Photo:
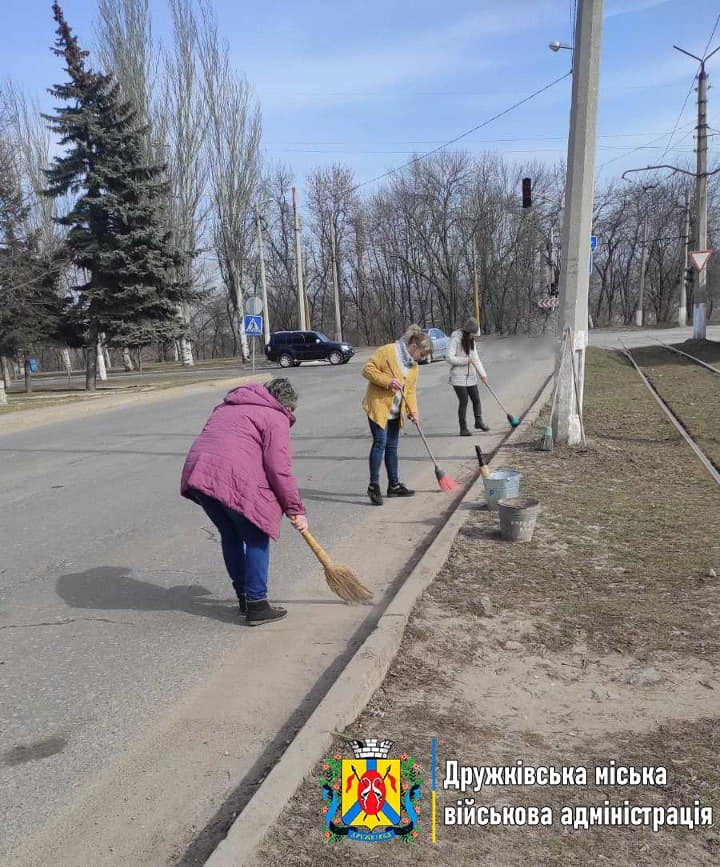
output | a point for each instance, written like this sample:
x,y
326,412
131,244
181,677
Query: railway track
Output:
x,y
673,409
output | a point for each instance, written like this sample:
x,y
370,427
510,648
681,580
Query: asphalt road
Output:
x,y
132,699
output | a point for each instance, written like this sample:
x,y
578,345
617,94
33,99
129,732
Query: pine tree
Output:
x,y
115,232
31,310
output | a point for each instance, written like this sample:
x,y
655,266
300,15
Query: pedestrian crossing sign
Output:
x,y
253,324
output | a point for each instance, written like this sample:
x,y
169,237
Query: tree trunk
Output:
x,y
3,395
174,351
127,360
100,364
139,360
186,352
6,372
28,376
91,357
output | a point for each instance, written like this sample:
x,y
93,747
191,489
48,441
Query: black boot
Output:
x,y
480,425
464,432
260,611
375,495
242,603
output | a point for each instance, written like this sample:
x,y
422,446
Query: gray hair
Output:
x,y
281,389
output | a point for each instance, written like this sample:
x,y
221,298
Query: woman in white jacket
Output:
x,y
465,368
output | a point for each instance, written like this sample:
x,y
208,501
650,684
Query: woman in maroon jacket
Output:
x,y
239,471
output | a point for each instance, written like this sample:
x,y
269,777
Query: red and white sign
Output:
x,y
699,258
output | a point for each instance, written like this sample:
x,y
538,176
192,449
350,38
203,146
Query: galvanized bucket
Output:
x,y
517,518
501,484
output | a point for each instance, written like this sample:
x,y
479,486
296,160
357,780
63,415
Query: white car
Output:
x,y
440,344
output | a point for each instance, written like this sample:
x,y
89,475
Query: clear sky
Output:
x,y
369,83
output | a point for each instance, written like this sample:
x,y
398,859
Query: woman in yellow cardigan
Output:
x,y
392,371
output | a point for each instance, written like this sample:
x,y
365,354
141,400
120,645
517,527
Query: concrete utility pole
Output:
x,y
302,322
701,204
336,283
476,288
643,269
263,284
682,309
577,222
701,176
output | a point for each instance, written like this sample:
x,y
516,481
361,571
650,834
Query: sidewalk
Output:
x,y
597,641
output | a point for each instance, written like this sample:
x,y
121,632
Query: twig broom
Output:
x,y
342,581
445,482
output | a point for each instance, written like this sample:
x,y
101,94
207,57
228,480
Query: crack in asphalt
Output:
x,y
65,622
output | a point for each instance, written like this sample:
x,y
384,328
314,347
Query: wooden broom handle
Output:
x,y
317,549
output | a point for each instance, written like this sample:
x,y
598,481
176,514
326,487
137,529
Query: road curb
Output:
x,y
33,417
355,685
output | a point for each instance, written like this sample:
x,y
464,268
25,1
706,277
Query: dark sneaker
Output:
x,y
375,495
242,604
262,612
480,425
464,432
399,490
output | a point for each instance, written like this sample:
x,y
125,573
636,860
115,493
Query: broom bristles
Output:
x,y
345,583
445,482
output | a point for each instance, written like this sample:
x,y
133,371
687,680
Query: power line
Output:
x,y
690,90
464,134
636,149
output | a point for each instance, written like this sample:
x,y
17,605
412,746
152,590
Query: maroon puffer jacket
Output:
x,y
242,459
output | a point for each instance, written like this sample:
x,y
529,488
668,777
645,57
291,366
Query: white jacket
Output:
x,y
464,369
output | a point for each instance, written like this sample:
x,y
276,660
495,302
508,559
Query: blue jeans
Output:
x,y
385,444
246,549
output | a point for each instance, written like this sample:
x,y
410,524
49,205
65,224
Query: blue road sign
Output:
x,y
253,324
593,242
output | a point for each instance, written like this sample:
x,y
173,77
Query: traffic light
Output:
x,y
689,276
526,193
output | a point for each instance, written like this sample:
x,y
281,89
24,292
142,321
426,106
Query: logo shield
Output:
x,y
370,793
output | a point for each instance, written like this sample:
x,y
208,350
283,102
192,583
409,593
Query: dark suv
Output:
x,y
293,347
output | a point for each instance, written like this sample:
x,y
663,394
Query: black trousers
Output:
x,y
465,393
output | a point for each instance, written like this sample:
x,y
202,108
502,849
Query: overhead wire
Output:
x,y
463,135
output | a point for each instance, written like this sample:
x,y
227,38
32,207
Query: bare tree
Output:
x,y
186,136
233,159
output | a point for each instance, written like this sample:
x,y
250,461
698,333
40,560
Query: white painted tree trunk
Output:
x,y
127,359
3,396
186,352
67,362
244,348
101,371
7,372
175,351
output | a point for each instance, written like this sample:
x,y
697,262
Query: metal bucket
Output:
x,y
517,518
501,484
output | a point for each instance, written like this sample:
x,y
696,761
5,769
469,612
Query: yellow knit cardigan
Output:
x,y
378,400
